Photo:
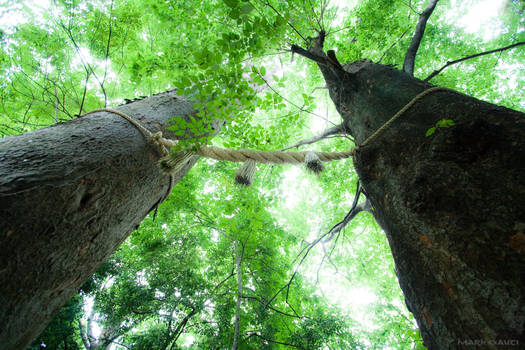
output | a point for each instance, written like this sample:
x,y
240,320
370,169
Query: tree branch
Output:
x,y
270,307
287,22
107,56
181,326
356,209
311,56
449,63
301,109
393,44
410,57
338,129
331,233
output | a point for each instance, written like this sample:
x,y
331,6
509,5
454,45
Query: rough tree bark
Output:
x,y
69,195
451,204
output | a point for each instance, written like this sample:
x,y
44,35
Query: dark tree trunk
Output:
x,y
452,204
69,195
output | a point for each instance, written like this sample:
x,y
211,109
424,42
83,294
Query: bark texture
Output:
x,y
69,195
452,204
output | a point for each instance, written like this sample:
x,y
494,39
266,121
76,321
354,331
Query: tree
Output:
x,y
176,279
89,166
448,200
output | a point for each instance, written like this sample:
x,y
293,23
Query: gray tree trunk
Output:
x,y
69,195
452,204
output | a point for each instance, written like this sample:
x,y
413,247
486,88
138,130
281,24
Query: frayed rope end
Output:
x,y
244,175
313,163
175,161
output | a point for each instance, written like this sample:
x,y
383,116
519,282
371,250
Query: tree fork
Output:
x,y
451,204
69,195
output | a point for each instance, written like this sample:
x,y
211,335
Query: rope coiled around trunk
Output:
x,y
176,160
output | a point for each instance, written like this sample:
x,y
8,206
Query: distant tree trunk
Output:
x,y
239,252
69,195
452,204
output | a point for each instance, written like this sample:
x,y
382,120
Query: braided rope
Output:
x,y
157,138
275,157
135,123
163,143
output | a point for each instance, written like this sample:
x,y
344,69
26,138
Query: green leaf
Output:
x,y
430,131
247,8
445,123
232,3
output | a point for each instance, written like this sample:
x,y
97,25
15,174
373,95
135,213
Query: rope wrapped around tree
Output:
x,y
171,162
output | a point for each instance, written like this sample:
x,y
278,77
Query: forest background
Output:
x,y
174,282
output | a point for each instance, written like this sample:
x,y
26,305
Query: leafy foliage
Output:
x,y
173,283
63,331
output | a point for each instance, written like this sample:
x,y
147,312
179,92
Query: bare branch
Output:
x,y
410,57
106,59
269,307
338,129
331,233
366,206
318,59
84,93
449,63
356,209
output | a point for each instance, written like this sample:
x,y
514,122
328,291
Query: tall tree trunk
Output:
x,y
452,204
239,252
69,195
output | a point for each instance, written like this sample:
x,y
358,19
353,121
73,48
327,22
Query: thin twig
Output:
x,y
393,44
332,232
301,109
87,65
84,92
338,129
239,253
269,307
449,63
291,25
107,56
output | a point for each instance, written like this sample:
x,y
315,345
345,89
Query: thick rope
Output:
x,y
275,157
157,138
163,143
